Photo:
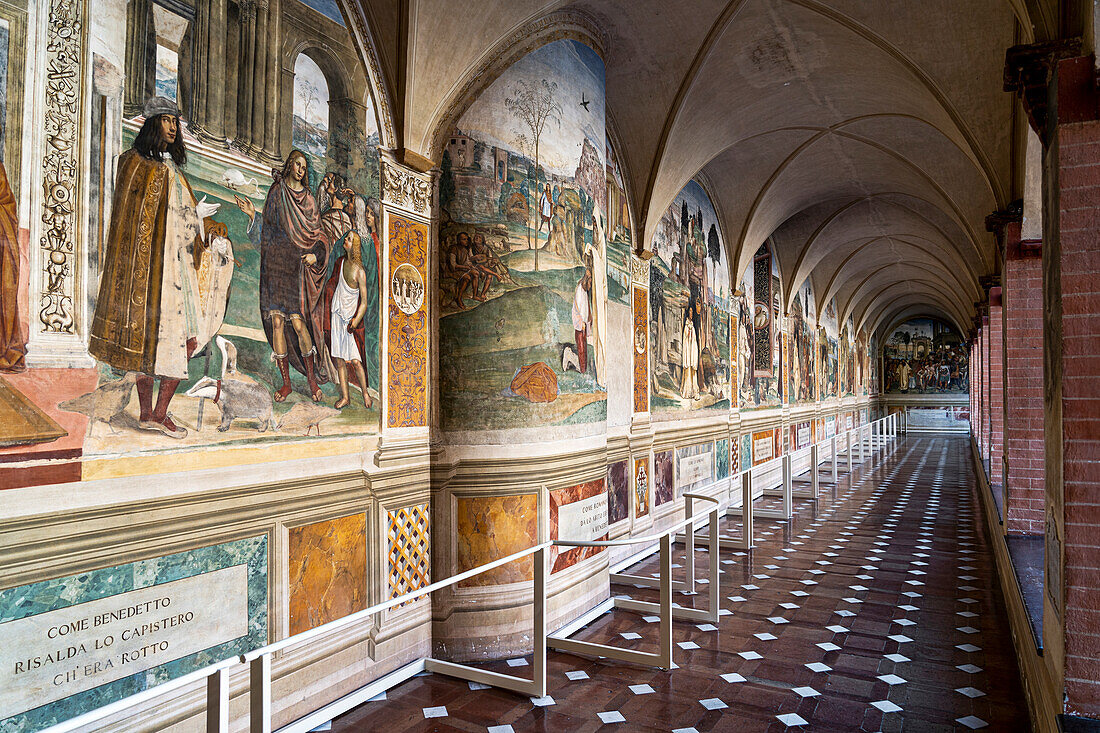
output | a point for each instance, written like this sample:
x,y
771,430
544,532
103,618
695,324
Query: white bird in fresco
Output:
x,y
234,179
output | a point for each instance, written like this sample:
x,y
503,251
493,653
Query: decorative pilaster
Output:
x,y
406,213
58,303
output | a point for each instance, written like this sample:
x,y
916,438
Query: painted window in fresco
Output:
x,y
925,356
523,256
265,324
618,230
758,307
689,292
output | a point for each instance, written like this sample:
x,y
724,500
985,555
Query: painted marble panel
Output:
x,y
588,495
491,527
746,452
24,602
694,467
618,491
689,294
409,540
664,479
722,458
523,248
763,446
641,350
642,486
328,571
407,342
925,356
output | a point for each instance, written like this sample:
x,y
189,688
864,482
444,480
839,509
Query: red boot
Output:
x,y
311,378
284,372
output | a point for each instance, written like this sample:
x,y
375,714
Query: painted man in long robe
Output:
x,y
293,269
147,313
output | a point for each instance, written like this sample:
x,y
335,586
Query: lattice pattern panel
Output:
x,y
409,558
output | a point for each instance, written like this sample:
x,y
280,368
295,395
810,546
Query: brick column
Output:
x,y
983,338
1071,294
996,387
1022,311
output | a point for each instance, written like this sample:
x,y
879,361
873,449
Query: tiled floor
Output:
x,y
877,609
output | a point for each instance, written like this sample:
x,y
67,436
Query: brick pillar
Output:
x,y
1022,311
996,388
983,337
1071,293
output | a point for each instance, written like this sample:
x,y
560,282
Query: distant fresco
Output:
x,y
828,350
689,293
847,360
233,259
925,356
618,229
759,356
523,272
801,384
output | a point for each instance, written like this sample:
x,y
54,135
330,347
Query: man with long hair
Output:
x,y
293,268
147,314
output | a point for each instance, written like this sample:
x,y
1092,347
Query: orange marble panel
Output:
x,y
407,334
491,527
560,560
328,571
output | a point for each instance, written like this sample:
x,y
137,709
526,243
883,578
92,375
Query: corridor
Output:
x,y
876,609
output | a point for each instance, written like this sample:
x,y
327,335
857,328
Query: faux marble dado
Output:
x,y
491,527
409,537
642,486
586,498
618,491
328,571
124,581
663,477
721,459
694,467
876,608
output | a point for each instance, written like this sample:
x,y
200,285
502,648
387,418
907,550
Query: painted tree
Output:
x,y
535,106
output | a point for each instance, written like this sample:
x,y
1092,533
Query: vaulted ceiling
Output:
x,y
866,140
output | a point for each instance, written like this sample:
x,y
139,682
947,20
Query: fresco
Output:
x,y
828,343
925,356
689,300
618,229
523,256
759,356
618,491
215,274
801,387
849,376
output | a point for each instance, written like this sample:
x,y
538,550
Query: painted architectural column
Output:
x,y
206,106
269,143
141,56
247,63
58,76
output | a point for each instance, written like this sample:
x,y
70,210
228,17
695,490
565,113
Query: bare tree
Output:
x,y
309,94
534,105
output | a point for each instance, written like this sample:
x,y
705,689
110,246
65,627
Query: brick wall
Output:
x,y
1071,265
996,388
1022,312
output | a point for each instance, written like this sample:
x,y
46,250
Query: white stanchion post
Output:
x,y
217,702
539,616
788,486
259,698
664,631
848,448
832,453
815,482
689,543
746,508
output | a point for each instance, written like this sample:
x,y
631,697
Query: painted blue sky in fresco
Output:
x,y
328,8
578,71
